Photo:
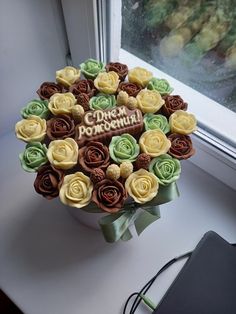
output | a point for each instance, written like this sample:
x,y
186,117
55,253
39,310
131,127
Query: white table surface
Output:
x,y
51,264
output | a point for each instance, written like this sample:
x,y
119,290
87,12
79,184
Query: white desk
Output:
x,y
51,264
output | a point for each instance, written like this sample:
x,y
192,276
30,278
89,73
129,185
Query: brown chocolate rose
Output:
x,y
109,195
60,127
181,146
119,68
48,181
47,89
94,155
173,103
83,100
130,88
83,86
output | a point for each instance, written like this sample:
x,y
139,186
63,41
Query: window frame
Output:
x,y
81,23
101,21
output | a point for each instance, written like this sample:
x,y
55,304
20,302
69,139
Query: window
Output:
x,y
193,41
145,33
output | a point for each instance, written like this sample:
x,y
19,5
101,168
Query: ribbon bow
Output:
x,y
116,226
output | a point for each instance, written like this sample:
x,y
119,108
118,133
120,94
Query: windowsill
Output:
x,y
47,257
219,162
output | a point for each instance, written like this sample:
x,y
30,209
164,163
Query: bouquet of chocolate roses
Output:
x,y
110,142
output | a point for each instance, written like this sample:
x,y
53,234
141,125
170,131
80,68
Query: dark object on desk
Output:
x,y
6,305
207,282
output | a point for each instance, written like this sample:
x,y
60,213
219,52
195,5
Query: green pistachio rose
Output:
x,y
34,156
37,108
123,148
166,168
160,85
102,101
90,68
156,121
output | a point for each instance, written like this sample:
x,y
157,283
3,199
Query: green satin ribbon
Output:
x,y
116,226
165,194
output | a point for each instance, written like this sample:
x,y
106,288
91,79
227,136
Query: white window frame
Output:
x,y
82,29
100,22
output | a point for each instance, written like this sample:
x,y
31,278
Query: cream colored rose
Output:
x,y
149,101
63,154
154,143
142,186
32,129
107,82
76,190
67,76
139,76
61,103
182,122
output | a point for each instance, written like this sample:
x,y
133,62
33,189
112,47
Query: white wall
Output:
x,y
32,47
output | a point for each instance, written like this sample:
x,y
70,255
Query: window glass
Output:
x,y
191,40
